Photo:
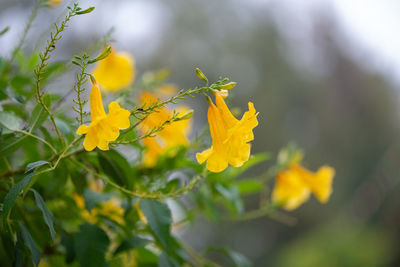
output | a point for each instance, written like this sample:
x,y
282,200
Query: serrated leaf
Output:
x,y
34,165
131,243
91,244
12,195
159,219
30,244
10,121
47,215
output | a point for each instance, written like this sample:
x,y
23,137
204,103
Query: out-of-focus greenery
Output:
x,y
347,116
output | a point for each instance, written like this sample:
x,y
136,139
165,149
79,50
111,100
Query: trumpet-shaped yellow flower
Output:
x,y
230,136
116,71
295,184
172,135
104,128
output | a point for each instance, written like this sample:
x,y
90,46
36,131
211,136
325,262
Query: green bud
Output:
x,y
106,52
187,115
227,86
3,31
90,9
92,79
201,75
76,63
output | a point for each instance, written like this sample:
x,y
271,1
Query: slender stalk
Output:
x,y
38,138
44,58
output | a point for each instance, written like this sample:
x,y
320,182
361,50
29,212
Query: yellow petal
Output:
x,y
203,156
322,186
118,117
96,104
82,129
229,120
91,141
103,144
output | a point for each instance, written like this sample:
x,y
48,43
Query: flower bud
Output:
x,y
106,52
201,75
227,86
187,115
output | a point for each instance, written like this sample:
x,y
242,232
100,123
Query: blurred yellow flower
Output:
x,y
172,135
295,184
53,3
110,209
230,136
116,71
104,127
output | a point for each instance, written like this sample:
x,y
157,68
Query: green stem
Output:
x,y
158,195
44,57
38,138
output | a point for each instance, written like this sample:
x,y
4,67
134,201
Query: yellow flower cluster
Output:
x,y
295,184
111,209
230,136
172,135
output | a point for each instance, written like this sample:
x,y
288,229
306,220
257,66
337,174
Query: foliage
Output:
x,y
63,205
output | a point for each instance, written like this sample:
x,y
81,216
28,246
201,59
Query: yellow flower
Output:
x,y
295,184
104,128
172,135
111,209
53,3
230,136
116,71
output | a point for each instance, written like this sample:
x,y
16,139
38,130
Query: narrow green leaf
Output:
x,y
38,117
3,31
159,219
131,243
9,145
91,243
10,121
249,186
92,198
30,244
165,261
86,11
115,166
12,195
34,165
47,215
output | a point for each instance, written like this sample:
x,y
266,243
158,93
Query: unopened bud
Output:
x,y
187,115
227,86
201,75
105,53
90,9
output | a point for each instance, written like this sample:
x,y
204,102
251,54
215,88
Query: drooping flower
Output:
x,y
172,135
295,184
104,128
116,71
230,136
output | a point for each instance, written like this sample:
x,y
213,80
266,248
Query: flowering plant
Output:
x,y
105,189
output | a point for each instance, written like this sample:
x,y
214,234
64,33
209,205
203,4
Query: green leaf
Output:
x,y
166,261
91,243
30,243
12,195
159,219
238,259
47,215
9,145
3,31
86,11
116,167
131,243
10,121
231,194
249,186
34,165
38,117
92,198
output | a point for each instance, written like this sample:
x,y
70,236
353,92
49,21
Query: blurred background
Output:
x,y
324,74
